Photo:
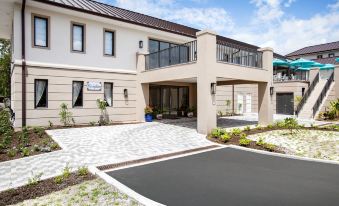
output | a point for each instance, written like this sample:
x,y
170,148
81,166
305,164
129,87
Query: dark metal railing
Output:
x,y
307,94
171,56
323,94
229,53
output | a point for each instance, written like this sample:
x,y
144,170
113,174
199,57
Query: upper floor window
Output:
x,y
331,55
78,37
40,31
108,43
40,93
77,93
320,56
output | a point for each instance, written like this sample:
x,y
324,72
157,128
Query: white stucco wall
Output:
x,y
127,37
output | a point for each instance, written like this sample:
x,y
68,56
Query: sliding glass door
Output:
x,y
171,100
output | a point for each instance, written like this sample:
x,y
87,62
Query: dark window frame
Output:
x,y
83,26
113,42
35,105
82,93
331,55
319,56
111,83
47,19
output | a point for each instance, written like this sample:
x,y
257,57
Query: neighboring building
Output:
x,y
322,88
78,51
322,53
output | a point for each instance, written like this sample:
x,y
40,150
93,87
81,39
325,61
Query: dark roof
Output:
x,y
330,60
112,12
316,48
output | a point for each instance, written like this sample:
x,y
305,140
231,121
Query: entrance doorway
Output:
x,y
171,101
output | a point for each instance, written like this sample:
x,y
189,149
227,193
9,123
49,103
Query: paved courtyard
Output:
x,y
101,145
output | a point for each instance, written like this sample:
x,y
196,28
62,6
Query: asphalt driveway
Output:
x,y
234,177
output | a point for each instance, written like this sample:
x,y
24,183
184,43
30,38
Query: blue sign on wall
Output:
x,y
93,86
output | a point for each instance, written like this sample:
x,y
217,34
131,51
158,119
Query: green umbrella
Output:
x,y
279,62
302,63
337,59
327,66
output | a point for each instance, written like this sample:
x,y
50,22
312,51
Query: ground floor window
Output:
x,y
108,93
40,93
77,93
169,100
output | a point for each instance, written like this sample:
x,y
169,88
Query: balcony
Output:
x,y
176,55
233,54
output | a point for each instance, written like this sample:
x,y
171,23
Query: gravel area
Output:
x,y
92,192
305,143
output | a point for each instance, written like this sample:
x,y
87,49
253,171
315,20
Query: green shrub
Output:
x,y
269,147
5,122
40,131
58,179
244,142
247,128
12,152
83,171
243,136
24,137
225,137
260,142
258,127
217,132
270,126
66,172
54,146
25,152
7,139
65,115
35,179
291,124
50,124
236,131
92,123
279,124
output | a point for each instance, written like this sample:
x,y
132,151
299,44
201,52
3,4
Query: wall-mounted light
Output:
x,y
141,44
271,90
213,88
125,93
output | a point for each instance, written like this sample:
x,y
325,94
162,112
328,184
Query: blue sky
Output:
x,y
285,25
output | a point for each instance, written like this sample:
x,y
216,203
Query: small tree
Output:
x,y
102,104
65,115
291,124
334,107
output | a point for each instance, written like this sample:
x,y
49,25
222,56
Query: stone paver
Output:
x,y
103,145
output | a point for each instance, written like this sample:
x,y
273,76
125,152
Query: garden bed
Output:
x,y
37,142
41,188
285,137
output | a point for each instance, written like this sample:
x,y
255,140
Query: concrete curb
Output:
x,y
124,189
283,155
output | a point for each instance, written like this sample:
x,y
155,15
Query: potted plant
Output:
x,y
157,113
148,114
190,112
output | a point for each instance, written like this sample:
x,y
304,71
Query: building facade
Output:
x,y
77,52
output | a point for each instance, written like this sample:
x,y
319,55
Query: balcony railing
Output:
x,y
322,94
307,94
233,54
171,56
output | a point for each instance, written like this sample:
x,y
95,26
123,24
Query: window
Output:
x,y
40,31
108,93
78,37
40,93
108,43
77,93
320,56
331,55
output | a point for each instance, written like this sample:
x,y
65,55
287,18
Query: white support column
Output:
x,y
142,90
206,103
265,108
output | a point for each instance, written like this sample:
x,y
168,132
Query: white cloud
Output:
x,y
216,19
293,33
334,6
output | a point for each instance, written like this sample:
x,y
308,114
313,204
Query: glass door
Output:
x,y
174,101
